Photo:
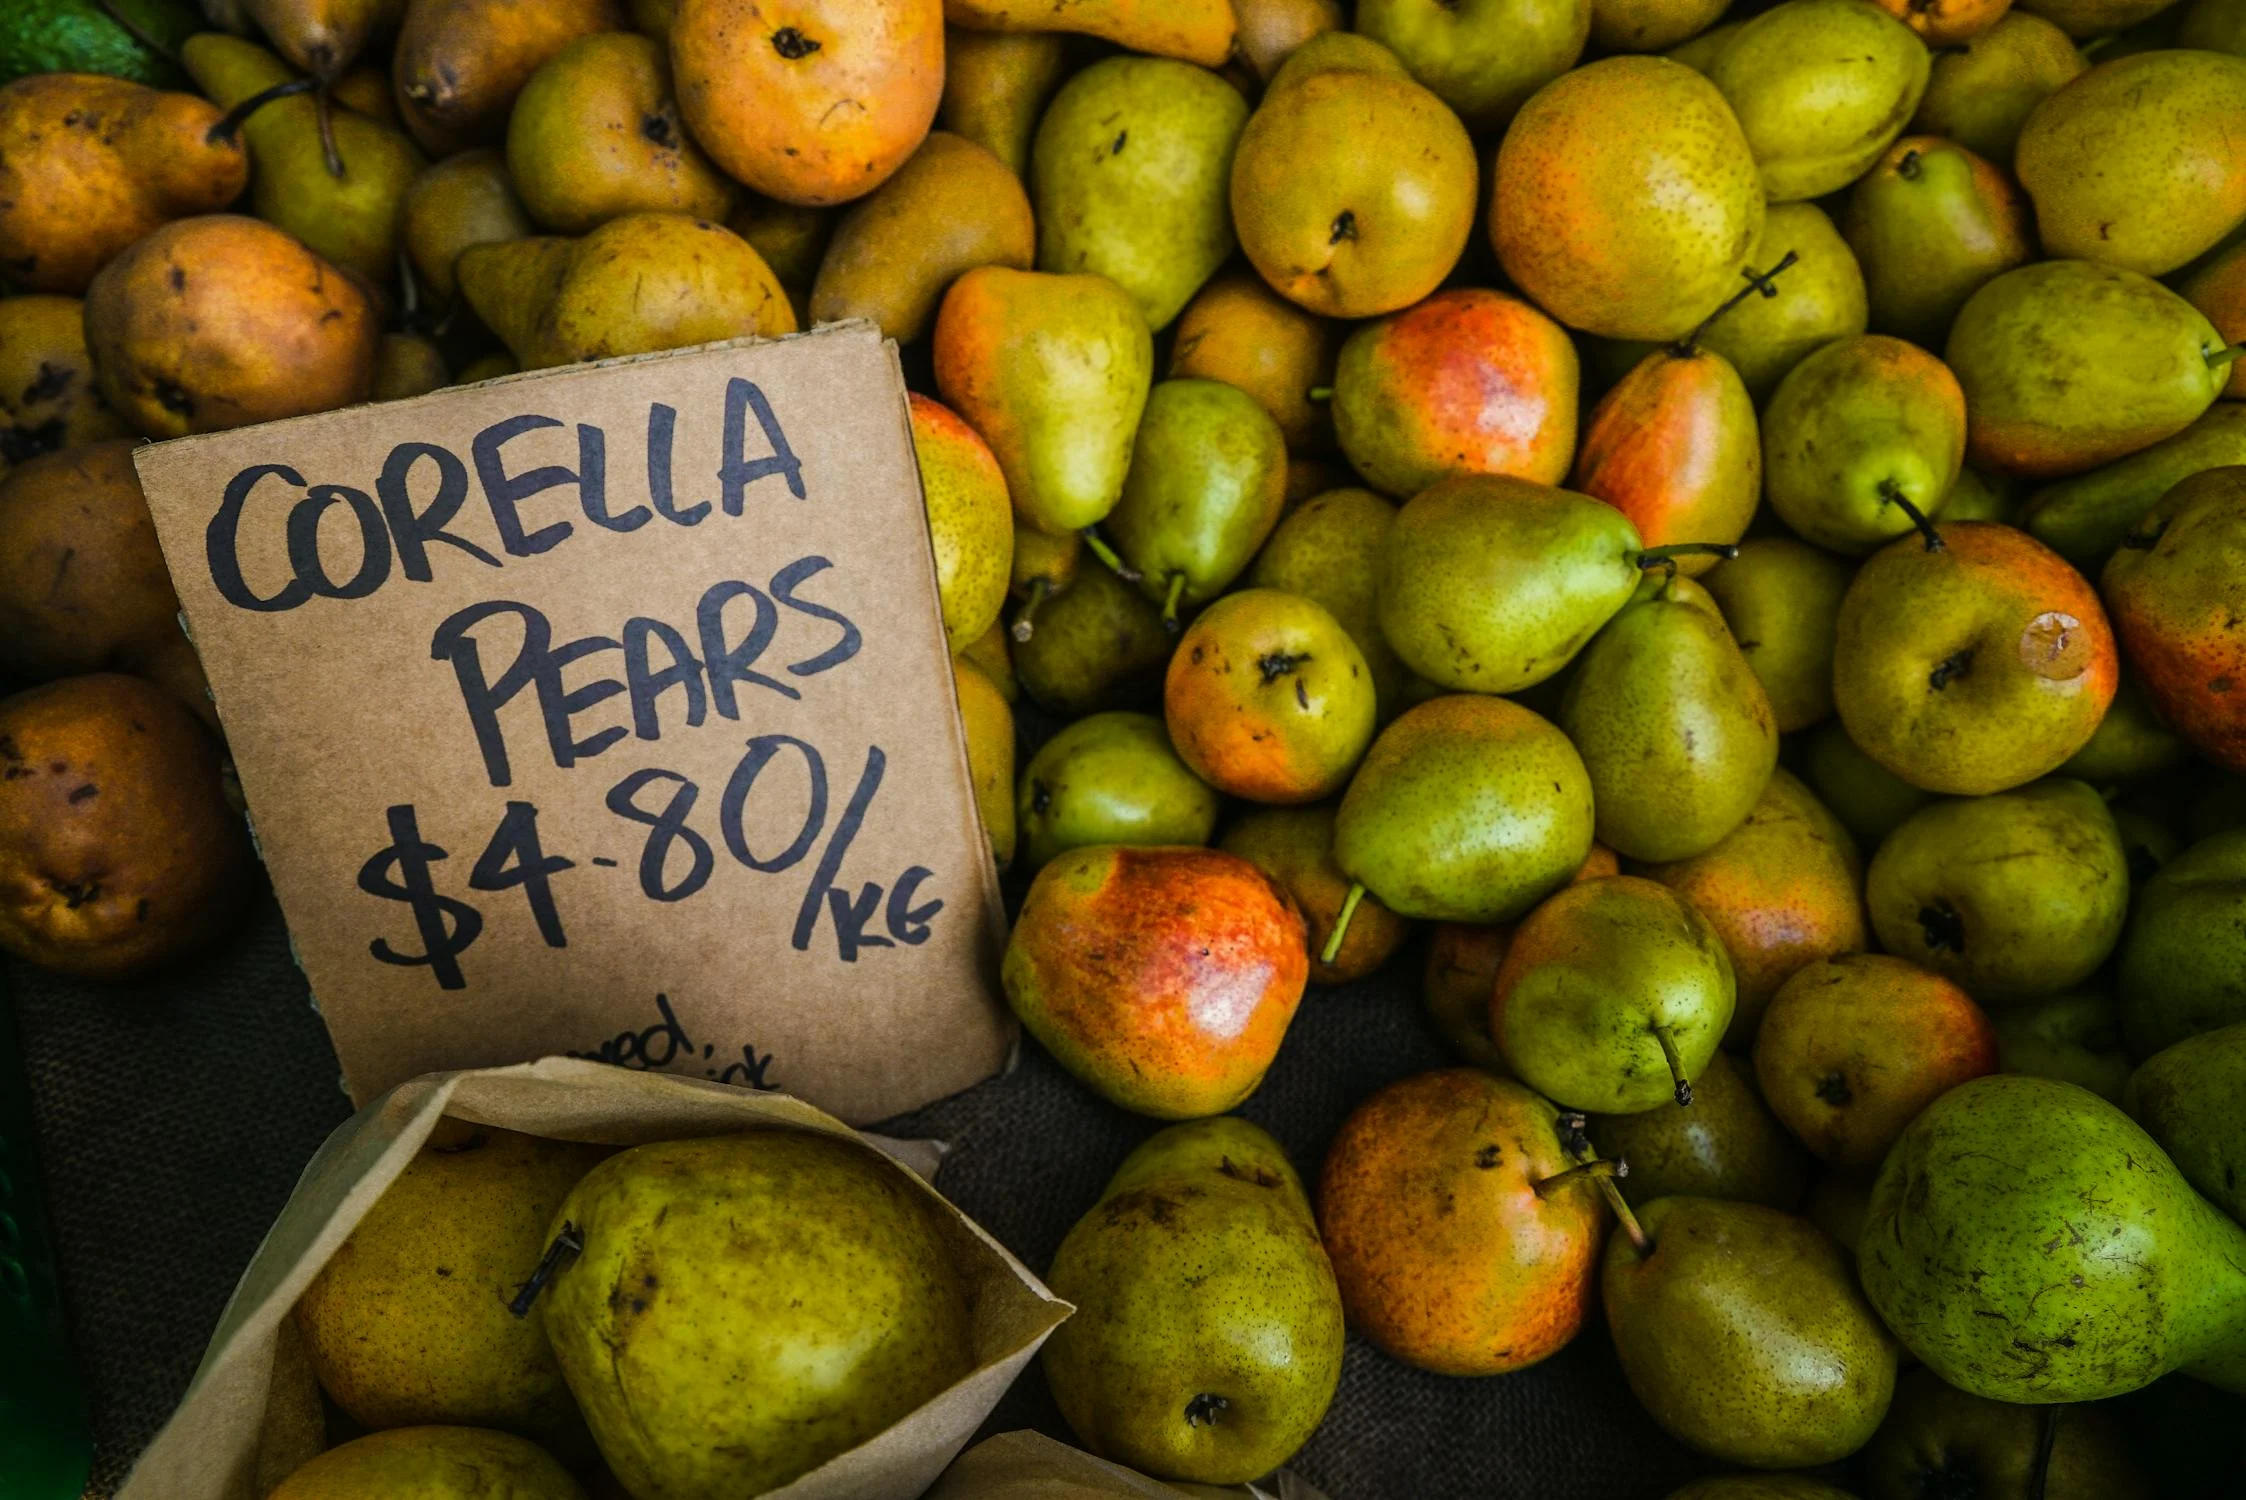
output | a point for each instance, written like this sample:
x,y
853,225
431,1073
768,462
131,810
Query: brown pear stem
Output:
x,y
1582,1171
1757,281
1097,545
1320,393
1340,934
1892,493
231,124
1657,557
2223,357
1025,623
1640,1241
2046,1438
327,133
567,1246
1675,1060
1170,604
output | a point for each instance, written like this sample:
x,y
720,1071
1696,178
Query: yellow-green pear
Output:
x,y
1481,57
432,1463
461,201
1780,597
1982,90
1821,87
970,523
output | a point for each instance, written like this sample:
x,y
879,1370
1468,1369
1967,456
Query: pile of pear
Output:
x,y
1719,528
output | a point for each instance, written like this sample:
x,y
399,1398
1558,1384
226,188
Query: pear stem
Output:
x,y
567,1246
327,133
1334,939
1640,1241
2046,1438
1170,603
1025,623
1656,557
1319,393
2223,357
1582,1171
1892,493
133,29
231,124
1097,545
1757,281
1669,1053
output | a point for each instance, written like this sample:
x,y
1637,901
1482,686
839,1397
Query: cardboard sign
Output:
x,y
606,712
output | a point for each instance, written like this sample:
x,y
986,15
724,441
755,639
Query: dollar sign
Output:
x,y
447,926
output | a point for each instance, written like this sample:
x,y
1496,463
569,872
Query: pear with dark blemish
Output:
x,y
1207,1338
48,399
1207,481
2029,1242
1109,778
742,1308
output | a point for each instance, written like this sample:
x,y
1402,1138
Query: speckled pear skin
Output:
x,y
432,1463
1743,1333
748,1306
1821,88
2029,1242
1207,1339
1674,728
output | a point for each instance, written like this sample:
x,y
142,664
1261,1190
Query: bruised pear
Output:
x,y
48,399
595,135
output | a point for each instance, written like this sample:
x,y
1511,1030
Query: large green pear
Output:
x,y
1821,87
1741,1330
1490,584
1207,1339
1110,778
1481,57
2137,163
2012,896
745,1307
1466,809
1131,175
2188,1097
2083,519
1207,482
1674,728
1862,439
1613,996
2183,960
2067,365
2029,1242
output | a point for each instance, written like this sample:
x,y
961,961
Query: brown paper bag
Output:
x,y
1032,1466
209,1450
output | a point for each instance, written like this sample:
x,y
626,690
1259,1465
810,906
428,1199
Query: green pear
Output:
x,y
1490,584
1207,1339
2187,1097
1983,89
1727,1144
2030,1243
2067,365
1870,800
2011,896
1940,1441
2083,519
1780,598
1613,996
1674,729
2131,743
1110,778
1821,87
2136,162
2183,960
745,1307
1098,645
2073,1036
1465,809
431,1463
1481,57
351,215
1862,440
1131,176
1053,372
596,133
1978,497
1327,549
407,1323
1207,481
1930,225
1741,1330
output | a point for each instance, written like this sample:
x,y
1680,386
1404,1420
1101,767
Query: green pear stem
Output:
x,y
1025,623
1757,281
1320,393
1097,545
133,29
231,124
1170,603
1582,1171
2046,1438
1640,1241
1892,493
567,1246
327,133
1669,1053
1657,557
1334,939
2223,357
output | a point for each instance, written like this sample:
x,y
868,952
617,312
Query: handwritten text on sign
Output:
x,y
661,633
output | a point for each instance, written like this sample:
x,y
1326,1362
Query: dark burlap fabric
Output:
x,y
174,1122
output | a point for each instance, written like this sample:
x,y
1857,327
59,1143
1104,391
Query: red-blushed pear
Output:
x,y
1971,658
1267,698
2178,600
1163,978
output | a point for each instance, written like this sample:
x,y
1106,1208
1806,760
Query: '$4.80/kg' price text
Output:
x,y
514,859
